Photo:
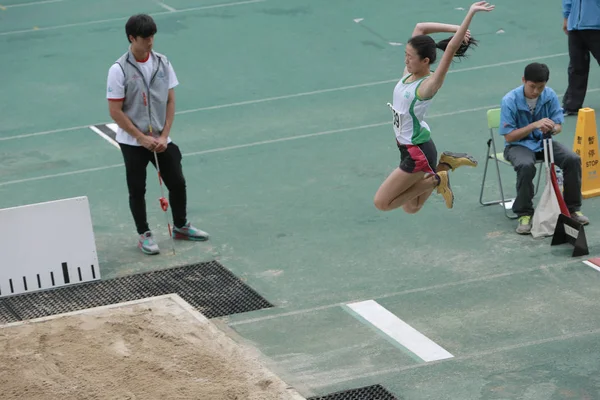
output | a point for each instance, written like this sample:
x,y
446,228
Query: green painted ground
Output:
x,y
285,185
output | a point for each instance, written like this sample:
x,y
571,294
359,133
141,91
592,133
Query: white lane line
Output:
x,y
73,128
80,171
33,3
253,144
287,96
285,139
395,294
295,95
362,85
166,7
220,149
399,331
101,21
484,353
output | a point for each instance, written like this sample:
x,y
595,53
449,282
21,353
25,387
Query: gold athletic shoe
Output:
x,y
455,160
444,189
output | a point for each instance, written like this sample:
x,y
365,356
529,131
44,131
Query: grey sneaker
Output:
x,y
524,227
189,232
579,217
147,244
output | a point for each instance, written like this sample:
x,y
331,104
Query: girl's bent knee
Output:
x,y
380,204
411,208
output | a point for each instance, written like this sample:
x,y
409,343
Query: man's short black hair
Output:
x,y
537,72
140,25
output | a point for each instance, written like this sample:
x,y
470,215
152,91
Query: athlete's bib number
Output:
x,y
397,119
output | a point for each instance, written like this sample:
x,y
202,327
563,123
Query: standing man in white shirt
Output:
x,y
141,98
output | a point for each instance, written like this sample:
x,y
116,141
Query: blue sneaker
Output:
x,y
189,232
147,244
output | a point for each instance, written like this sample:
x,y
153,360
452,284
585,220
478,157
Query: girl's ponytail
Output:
x,y
462,50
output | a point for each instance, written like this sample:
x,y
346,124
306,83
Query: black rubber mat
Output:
x,y
6,315
209,287
375,392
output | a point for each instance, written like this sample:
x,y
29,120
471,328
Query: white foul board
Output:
x,y
46,245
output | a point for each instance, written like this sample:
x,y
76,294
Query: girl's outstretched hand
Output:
x,y
482,6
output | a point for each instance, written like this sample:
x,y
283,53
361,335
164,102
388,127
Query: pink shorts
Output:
x,y
418,158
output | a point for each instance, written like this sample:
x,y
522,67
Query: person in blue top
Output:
x,y
581,22
527,113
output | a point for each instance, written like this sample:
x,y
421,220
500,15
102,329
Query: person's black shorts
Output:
x,y
418,158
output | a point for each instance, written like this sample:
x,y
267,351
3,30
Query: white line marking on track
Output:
x,y
39,29
73,128
33,3
485,353
361,85
286,139
80,171
295,95
166,7
394,294
399,331
220,149
259,143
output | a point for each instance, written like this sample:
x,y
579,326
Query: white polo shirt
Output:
x,y
115,90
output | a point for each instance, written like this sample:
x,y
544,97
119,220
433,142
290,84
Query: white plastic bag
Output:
x,y
547,211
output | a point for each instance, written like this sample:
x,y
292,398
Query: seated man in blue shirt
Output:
x,y
528,112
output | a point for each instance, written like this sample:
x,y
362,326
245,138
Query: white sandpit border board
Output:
x,y
293,394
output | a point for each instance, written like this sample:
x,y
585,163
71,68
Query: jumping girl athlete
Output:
x,y
410,185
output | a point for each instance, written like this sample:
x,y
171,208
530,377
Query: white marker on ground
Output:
x,y
166,7
105,137
400,331
592,265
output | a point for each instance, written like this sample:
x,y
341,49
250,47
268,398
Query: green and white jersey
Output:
x,y
409,110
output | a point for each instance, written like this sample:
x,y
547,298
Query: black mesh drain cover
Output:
x,y
209,287
6,315
375,392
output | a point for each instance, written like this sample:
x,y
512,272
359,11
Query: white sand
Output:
x,y
153,349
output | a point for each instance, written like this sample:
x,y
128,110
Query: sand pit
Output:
x,y
157,348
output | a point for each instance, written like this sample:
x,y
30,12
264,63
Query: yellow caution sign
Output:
x,y
586,146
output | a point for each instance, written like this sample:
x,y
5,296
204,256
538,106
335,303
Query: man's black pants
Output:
x,y
136,162
581,44
523,161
